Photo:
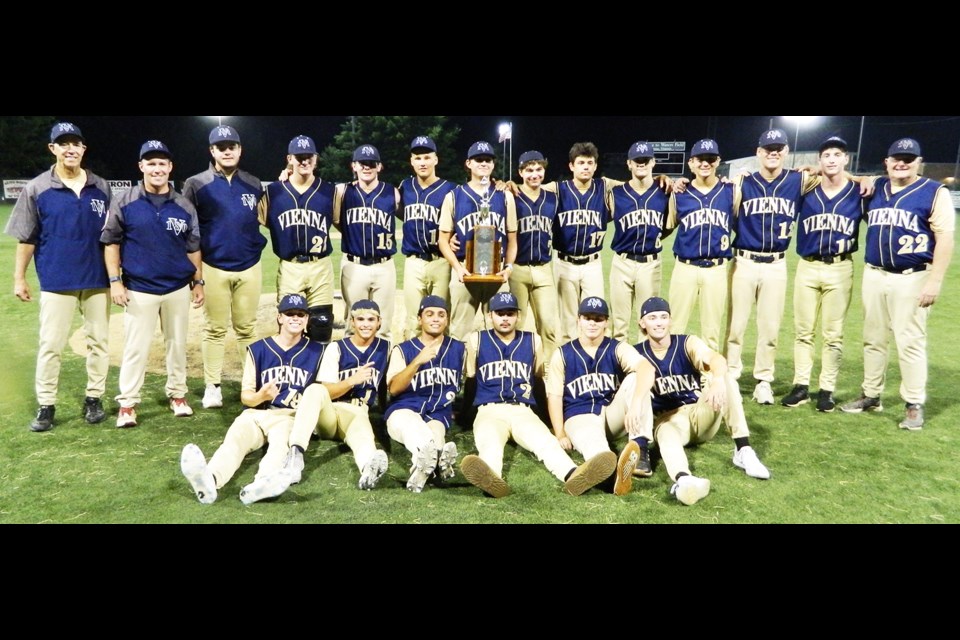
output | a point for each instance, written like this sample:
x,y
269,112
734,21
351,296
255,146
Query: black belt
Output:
x,y
763,258
302,259
367,262
642,259
426,257
902,272
532,264
705,262
578,260
829,259
514,403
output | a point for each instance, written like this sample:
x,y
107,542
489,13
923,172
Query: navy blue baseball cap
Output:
x,y
293,302
433,302
654,305
904,147
641,150
302,145
833,142
366,153
154,148
531,156
423,143
224,134
65,129
504,301
481,148
705,147
594,306
774,138
364,305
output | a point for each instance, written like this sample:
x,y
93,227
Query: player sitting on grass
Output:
x,y
275,374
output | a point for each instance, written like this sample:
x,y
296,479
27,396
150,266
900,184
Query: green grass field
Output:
x,y
826,468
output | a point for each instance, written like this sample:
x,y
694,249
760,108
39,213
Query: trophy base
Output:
x,y
475,279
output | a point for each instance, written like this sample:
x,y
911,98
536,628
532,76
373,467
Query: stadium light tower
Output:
x,y
506,135
800,120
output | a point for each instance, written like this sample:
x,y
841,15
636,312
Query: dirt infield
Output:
x,y
232,365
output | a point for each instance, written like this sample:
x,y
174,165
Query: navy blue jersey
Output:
x,y
466,216
899,235
300,223
353,358
638,219
230,237
421,215
703,223
590,384
292,370
677,380
505,371
768,211
65,231
368,221
830,226
154,240
436,384
582,219
535,221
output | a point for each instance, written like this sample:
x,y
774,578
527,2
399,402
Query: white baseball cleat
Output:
x,y
180,408
213,397
374,470
448,461
690,490
423,466
294,465
194,468
265,488
747,460
763,394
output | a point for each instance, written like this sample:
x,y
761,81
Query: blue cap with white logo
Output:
x,y
594,306
366,153
904,147
705,147
481,148
154,148
224,134
302,145
64,129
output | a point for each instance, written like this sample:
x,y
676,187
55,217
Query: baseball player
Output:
x,y
424,378
365,212
533,281
226,200
584,210
683,413
425,271
640,208
909,245
338,406
770,199
153,233
702,217
57,222
276,372
299,214
467,206
591,388
828,229
506,364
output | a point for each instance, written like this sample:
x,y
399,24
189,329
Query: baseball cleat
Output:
x,y
448,461
93,411
374,470
423,466
625,465
825,401
591,473
480,475
690,490
265,488
194,468
798,396
44,420
213,397
747,460
861,404
913,418
294,465
180,408
763,394
127,418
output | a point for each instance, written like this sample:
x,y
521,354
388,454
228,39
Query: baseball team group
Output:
x,y
574,383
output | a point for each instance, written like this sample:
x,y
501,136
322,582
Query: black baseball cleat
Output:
x,y
825,402
93,411
44,420
800,395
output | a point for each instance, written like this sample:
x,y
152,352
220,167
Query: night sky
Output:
x,y
115,141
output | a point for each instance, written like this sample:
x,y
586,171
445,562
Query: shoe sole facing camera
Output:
x,y
423,467
194,468
626,464
479,474
448,461
373,471
692,491
591,473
